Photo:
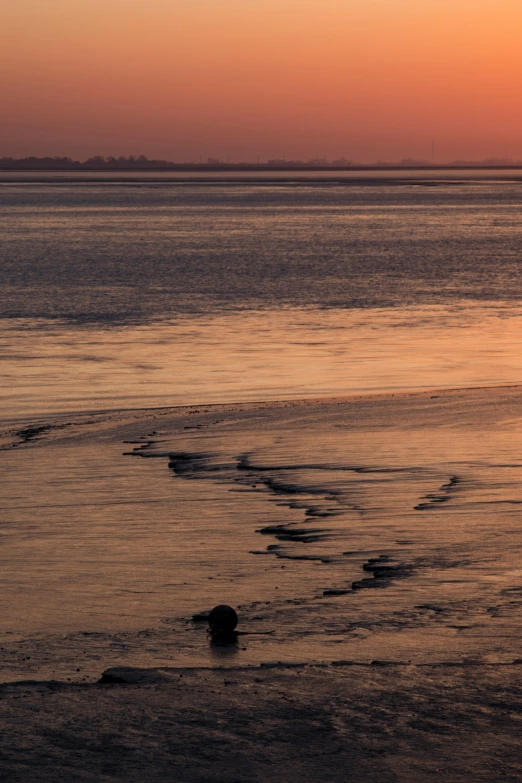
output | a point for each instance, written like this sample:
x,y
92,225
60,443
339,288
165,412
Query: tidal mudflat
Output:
x,y
371,544
363,519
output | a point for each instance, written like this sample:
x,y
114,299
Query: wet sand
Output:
x,y
373,543
392,724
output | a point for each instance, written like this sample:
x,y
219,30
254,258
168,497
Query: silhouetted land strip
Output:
x,y
132,163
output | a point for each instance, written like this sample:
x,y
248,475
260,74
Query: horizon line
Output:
x,y
142,163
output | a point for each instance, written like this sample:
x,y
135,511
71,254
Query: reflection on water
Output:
x,y
226,650
282,354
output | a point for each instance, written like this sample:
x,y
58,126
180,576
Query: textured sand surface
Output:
x,y
392,724
374,543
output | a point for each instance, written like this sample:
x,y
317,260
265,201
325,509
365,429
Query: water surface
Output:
x,y
174,291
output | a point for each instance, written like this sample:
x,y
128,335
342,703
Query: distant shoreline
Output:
x,y
35,164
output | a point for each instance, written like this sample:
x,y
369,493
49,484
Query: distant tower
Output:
x,y
433,152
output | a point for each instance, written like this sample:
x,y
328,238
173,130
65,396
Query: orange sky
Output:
x,y
366,79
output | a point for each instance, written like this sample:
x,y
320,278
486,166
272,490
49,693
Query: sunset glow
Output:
x,y
184,78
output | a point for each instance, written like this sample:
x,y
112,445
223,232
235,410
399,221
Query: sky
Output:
x,y
180,79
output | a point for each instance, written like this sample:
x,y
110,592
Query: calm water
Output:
x,y
163,291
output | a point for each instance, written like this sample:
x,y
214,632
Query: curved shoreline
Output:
x,y
56,419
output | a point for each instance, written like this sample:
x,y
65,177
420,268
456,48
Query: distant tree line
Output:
x,y
142,163
96,163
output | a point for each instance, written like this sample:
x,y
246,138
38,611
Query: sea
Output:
x,y
141,290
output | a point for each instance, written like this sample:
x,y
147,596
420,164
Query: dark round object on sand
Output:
x,y
222,620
